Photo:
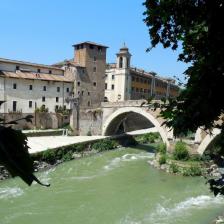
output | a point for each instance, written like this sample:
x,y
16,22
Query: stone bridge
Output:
x,y
125,116
131,115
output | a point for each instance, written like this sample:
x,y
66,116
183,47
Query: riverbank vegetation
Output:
x,y
52,157
179,161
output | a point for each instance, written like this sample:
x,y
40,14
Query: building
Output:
x,y
26,86
124,82
88,69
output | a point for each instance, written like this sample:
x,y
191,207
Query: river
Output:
x,y
115,187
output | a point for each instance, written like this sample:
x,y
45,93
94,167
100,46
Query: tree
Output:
x,y
194,24
14,153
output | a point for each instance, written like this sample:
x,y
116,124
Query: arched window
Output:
x,y
120,62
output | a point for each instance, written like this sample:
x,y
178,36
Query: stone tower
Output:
x,y
91,58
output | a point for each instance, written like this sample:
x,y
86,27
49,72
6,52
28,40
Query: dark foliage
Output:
x,y
196,25
14,153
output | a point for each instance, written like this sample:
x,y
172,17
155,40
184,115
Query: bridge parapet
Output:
x,y
127,103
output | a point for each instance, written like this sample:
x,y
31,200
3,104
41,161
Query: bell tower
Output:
x,y
123,58
123,78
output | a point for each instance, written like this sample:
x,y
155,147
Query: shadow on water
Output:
x,y
127,140
147,148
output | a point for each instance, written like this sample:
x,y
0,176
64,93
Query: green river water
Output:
x,y
117,187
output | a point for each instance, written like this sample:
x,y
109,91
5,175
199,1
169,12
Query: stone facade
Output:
x,y
88,70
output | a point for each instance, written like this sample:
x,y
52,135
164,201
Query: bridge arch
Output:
x,y
122,112
207,141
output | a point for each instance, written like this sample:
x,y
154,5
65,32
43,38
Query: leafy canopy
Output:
x,y
197,25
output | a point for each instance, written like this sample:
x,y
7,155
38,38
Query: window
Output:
x,y
38,70
57,99
64,107
100,49
133,78
17,68
105,85
113,77
112,86
56,108
128,62
91,46
94,84
30,87
120,62
43,98
78,92
50,72
14,86
14,106
137,79
132,89
82,92
78,83
88,103
58,89
44,88
88,93
94,69
81,46
67,90
30,104
94,58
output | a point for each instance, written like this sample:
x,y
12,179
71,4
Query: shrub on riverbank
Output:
x,y
148,138
174,168
162,159
161,148
192,171
181,152
105,144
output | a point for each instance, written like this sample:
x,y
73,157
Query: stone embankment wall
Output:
x,y
40,120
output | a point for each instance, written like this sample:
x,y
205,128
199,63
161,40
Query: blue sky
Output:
x,y
43,31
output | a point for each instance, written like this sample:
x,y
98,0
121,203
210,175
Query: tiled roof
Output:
x,y
28,63
36,76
